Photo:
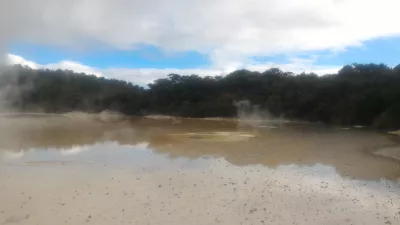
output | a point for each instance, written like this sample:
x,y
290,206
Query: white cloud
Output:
x,y
74,66
229,31
144,76
139,76
15,59
296,65
63,65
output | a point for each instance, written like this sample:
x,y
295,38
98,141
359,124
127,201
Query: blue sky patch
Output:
x,y
143,57
382,50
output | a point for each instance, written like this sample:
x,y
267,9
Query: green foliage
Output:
x,y
57,91
389,118
359,94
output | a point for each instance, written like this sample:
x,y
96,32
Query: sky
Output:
x,y
140,41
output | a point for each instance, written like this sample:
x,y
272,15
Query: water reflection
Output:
x,y
136,172
348,151
109,154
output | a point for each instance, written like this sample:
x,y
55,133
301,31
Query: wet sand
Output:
x,y
63,171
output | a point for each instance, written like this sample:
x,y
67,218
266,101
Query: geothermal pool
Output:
x,y
63,170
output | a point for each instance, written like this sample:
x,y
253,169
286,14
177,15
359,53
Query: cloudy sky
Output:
x,y
139,40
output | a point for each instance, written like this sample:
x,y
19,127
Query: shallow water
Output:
x,y
61,170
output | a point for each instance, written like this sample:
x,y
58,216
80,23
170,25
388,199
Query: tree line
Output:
x,y
359,94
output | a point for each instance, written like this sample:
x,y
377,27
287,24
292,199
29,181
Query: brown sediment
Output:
x,y
348,150
146,171
390,152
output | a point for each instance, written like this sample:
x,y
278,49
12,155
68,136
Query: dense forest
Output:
x,y
359,94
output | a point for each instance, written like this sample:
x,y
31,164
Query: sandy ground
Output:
x,y
162,181
215,193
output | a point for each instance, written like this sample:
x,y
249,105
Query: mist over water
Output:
x,y
252,115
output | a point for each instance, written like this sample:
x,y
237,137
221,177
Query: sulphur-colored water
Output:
x,y
61,170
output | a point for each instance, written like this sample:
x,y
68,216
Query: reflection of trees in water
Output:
x,y
345,150
62,133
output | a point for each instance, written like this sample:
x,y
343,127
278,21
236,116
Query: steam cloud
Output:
x,y
253,115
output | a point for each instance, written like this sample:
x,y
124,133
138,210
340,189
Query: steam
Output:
x,y
255,116
13,90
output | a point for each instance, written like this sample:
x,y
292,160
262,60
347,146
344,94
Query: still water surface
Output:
x,y
58,170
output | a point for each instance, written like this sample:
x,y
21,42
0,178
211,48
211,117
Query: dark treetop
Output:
x,y
359,94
